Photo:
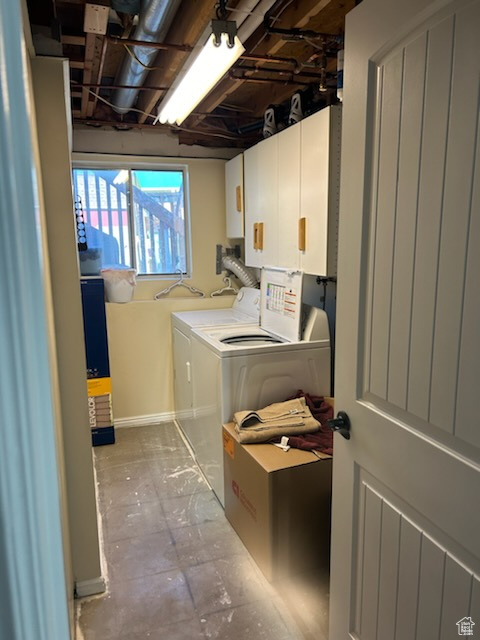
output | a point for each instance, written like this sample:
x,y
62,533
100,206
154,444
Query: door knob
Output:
x,y
341,424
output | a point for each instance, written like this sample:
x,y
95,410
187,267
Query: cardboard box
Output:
x,y
279,504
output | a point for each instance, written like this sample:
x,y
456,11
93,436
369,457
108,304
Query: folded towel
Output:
x,y
292,417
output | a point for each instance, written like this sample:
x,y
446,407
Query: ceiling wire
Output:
x,y
275,18
313,44
244,12
232,107
149,115
206,133
94,93
132,54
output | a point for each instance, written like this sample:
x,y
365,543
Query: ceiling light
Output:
x,y
218,54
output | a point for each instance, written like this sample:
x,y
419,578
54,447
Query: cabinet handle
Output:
x,y
255,235
189,374
238,193
302,234
260,236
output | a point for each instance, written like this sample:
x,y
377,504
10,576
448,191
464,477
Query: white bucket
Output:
x,y
119,284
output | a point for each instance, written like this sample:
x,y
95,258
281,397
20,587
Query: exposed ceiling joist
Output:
x,y
301,62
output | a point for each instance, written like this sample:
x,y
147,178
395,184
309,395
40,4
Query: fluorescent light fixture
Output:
x,y
206,70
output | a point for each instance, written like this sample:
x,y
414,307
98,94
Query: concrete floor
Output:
x,y
175,568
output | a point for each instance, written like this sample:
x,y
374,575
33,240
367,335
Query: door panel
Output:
x,y
410,126
411,587
434,139
433,317
406,533
460,167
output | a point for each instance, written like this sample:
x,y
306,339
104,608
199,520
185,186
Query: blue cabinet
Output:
x,y
98,368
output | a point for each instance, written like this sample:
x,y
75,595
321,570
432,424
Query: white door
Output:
x,y
406,486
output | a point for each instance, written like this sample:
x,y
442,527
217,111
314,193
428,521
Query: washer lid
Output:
x,y
281,302
251,340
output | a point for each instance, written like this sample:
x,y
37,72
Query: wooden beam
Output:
x,y
76,64
74,40
87,70
218,95
101,62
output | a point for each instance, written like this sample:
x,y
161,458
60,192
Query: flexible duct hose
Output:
x,y
238,268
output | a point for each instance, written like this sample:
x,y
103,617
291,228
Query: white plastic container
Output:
x,y
119,284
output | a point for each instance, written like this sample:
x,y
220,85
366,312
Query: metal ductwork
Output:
x,y
154,21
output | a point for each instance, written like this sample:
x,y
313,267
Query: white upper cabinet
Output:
x,y
288,195
291,216
234,195
319,191
261,203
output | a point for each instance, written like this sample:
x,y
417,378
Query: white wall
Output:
x,y
50,80
141,356
151,142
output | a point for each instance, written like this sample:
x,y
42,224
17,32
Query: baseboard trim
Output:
x,y
90,587
145,421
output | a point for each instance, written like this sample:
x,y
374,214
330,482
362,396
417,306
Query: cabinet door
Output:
x,y
314,190
268,163
234,196
261,203
251,177
288,196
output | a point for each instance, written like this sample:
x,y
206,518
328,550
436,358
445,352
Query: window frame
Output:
x,y
139,163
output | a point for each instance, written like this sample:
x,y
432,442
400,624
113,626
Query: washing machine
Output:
x,y
250,366
245,310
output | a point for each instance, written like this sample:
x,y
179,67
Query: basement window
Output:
x,y
133,218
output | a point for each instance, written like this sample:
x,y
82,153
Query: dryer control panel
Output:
x,y
281,302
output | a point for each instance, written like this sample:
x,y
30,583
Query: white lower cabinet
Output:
x,y
297,207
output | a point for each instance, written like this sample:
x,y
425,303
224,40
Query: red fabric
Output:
x,y
321,440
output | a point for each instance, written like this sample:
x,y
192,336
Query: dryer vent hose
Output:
x,y
238,268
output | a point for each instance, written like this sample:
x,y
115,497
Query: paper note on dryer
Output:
x,y
281,302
